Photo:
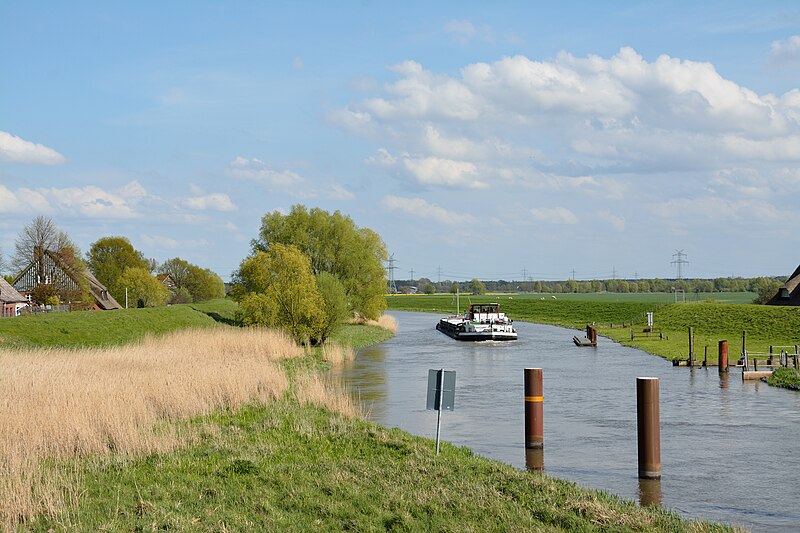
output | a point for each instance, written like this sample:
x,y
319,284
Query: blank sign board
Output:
x,y
444,399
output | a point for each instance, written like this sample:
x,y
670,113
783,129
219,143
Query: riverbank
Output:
x,y
710,321
285,457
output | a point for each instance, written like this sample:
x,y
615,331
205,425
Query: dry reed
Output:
x,y
336,354
312,389
386,322
60,404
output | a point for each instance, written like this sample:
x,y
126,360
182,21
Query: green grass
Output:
x,y
101,328
787,378
284,467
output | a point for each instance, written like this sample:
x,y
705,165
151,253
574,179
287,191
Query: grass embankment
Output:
x,y
225,429
710,321
109,328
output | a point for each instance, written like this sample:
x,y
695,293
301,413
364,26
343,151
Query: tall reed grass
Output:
x,y
64,404
385,321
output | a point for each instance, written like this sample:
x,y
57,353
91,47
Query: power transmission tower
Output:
x,y
391,268
412,275
524,272
573,274
439,274
679,262
613,272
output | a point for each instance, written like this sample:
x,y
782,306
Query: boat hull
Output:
x,y
459,333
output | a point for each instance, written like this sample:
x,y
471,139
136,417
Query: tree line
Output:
x,y
764,286
116,264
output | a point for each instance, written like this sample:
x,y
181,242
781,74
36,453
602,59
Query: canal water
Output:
x,y
730,450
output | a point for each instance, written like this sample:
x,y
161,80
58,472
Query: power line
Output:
x,y
391,268
679,262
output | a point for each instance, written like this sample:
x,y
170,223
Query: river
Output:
x,y
729,449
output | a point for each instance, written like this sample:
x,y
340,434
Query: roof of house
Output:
x,y
9,294
102,298
789,292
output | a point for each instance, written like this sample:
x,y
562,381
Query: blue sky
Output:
x,y
478,139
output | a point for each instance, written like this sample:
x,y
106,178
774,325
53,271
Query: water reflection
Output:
x,y
534,459
590,417
649,492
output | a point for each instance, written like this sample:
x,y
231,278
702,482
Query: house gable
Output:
x,y
48,267
789,292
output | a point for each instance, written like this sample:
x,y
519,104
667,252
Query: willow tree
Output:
x,y
334,244
280,291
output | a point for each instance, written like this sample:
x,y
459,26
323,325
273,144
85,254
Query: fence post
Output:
x,y
648,428
691,347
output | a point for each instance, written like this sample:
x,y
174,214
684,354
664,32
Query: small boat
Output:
x,y
483,322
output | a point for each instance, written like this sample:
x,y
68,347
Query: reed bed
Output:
x,y
312,389
384,321
337,354
59,404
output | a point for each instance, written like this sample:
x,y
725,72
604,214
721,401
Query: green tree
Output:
x,y
766,289
279,290
144,288
109,257
336,245
454,287
335,305
45,294
430,289
201,284
476,286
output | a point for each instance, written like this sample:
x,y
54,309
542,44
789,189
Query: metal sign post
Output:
x,y
441,395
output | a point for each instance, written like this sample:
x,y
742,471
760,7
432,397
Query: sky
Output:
x,y
480,139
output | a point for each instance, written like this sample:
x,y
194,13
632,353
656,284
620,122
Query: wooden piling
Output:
x,y
723,356
648,428
534,408
691,347
705,356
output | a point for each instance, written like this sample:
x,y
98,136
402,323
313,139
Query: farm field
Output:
x,y
711,321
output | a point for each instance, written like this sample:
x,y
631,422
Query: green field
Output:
x,y
711,320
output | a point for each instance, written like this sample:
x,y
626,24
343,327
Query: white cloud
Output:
x,y
787,50
337,192
256,170
419,208
89,201
622,111
554,215
461,31
17,150
214,201
381,158
437,171
297,63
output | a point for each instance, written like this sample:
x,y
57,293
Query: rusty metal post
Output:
x,y
723,356
534,459
594,336
534,408
648,427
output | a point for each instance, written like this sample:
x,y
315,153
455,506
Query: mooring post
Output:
x,y
691,347
705,356
796,354
648,428
769,361
744,347
631,334
723,356
534,408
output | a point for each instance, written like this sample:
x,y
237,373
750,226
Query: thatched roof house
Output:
x,y
50,268
11,301
789,292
